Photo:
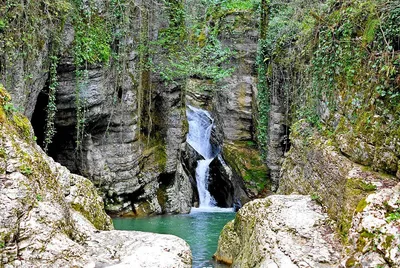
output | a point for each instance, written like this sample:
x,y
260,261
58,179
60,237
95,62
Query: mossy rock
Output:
x,y
92,206
246,161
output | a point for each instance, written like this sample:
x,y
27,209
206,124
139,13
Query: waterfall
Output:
x,y
200,127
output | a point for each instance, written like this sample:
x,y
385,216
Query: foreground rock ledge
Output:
x,y
136,249
52,218
279,231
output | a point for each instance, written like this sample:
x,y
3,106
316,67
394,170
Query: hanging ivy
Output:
x,y
51,109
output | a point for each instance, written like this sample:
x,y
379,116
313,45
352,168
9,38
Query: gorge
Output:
x,y
165,114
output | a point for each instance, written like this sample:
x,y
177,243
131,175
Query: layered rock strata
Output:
x,y
52,218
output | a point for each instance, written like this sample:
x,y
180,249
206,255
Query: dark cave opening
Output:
x,y
63,140
285,139
39,116
62,149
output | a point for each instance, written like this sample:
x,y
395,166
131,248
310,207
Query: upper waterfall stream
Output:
x,y
200,127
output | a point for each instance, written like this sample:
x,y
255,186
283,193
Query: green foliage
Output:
x,y
317,55
233,5
92,39
9,108
21,25
92,44
315,197
26,27
370,31
361,205
26,170
39,197
368,187
192,61
189,52
81,85
394,216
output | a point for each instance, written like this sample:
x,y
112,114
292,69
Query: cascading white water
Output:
x,y
200,126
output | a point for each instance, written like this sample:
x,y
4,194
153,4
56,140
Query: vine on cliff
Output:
x,y
263,95
51,109
92,45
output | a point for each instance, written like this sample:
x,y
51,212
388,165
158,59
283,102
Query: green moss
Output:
x,y
23,124
161,196
202,38
3,153
368,187
388,241
99,222
154,153
351,262
361,205
246,161
394,216
26,170
315,197
366,234
356,190
143,209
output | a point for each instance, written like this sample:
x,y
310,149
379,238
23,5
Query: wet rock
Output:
x,y
179,195
226,186
246,163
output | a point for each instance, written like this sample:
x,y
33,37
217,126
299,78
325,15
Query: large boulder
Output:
x,y
279,231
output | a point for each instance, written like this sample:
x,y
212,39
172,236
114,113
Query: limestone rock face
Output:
x,y
52,218
378,147
234,102
133,123
314,166
279,231
374,235
362,202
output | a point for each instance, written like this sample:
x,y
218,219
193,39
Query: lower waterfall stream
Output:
x,y
200,127
201,228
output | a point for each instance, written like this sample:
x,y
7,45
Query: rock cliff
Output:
x,y
106,85
357,198
53,218
329,85
113,121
